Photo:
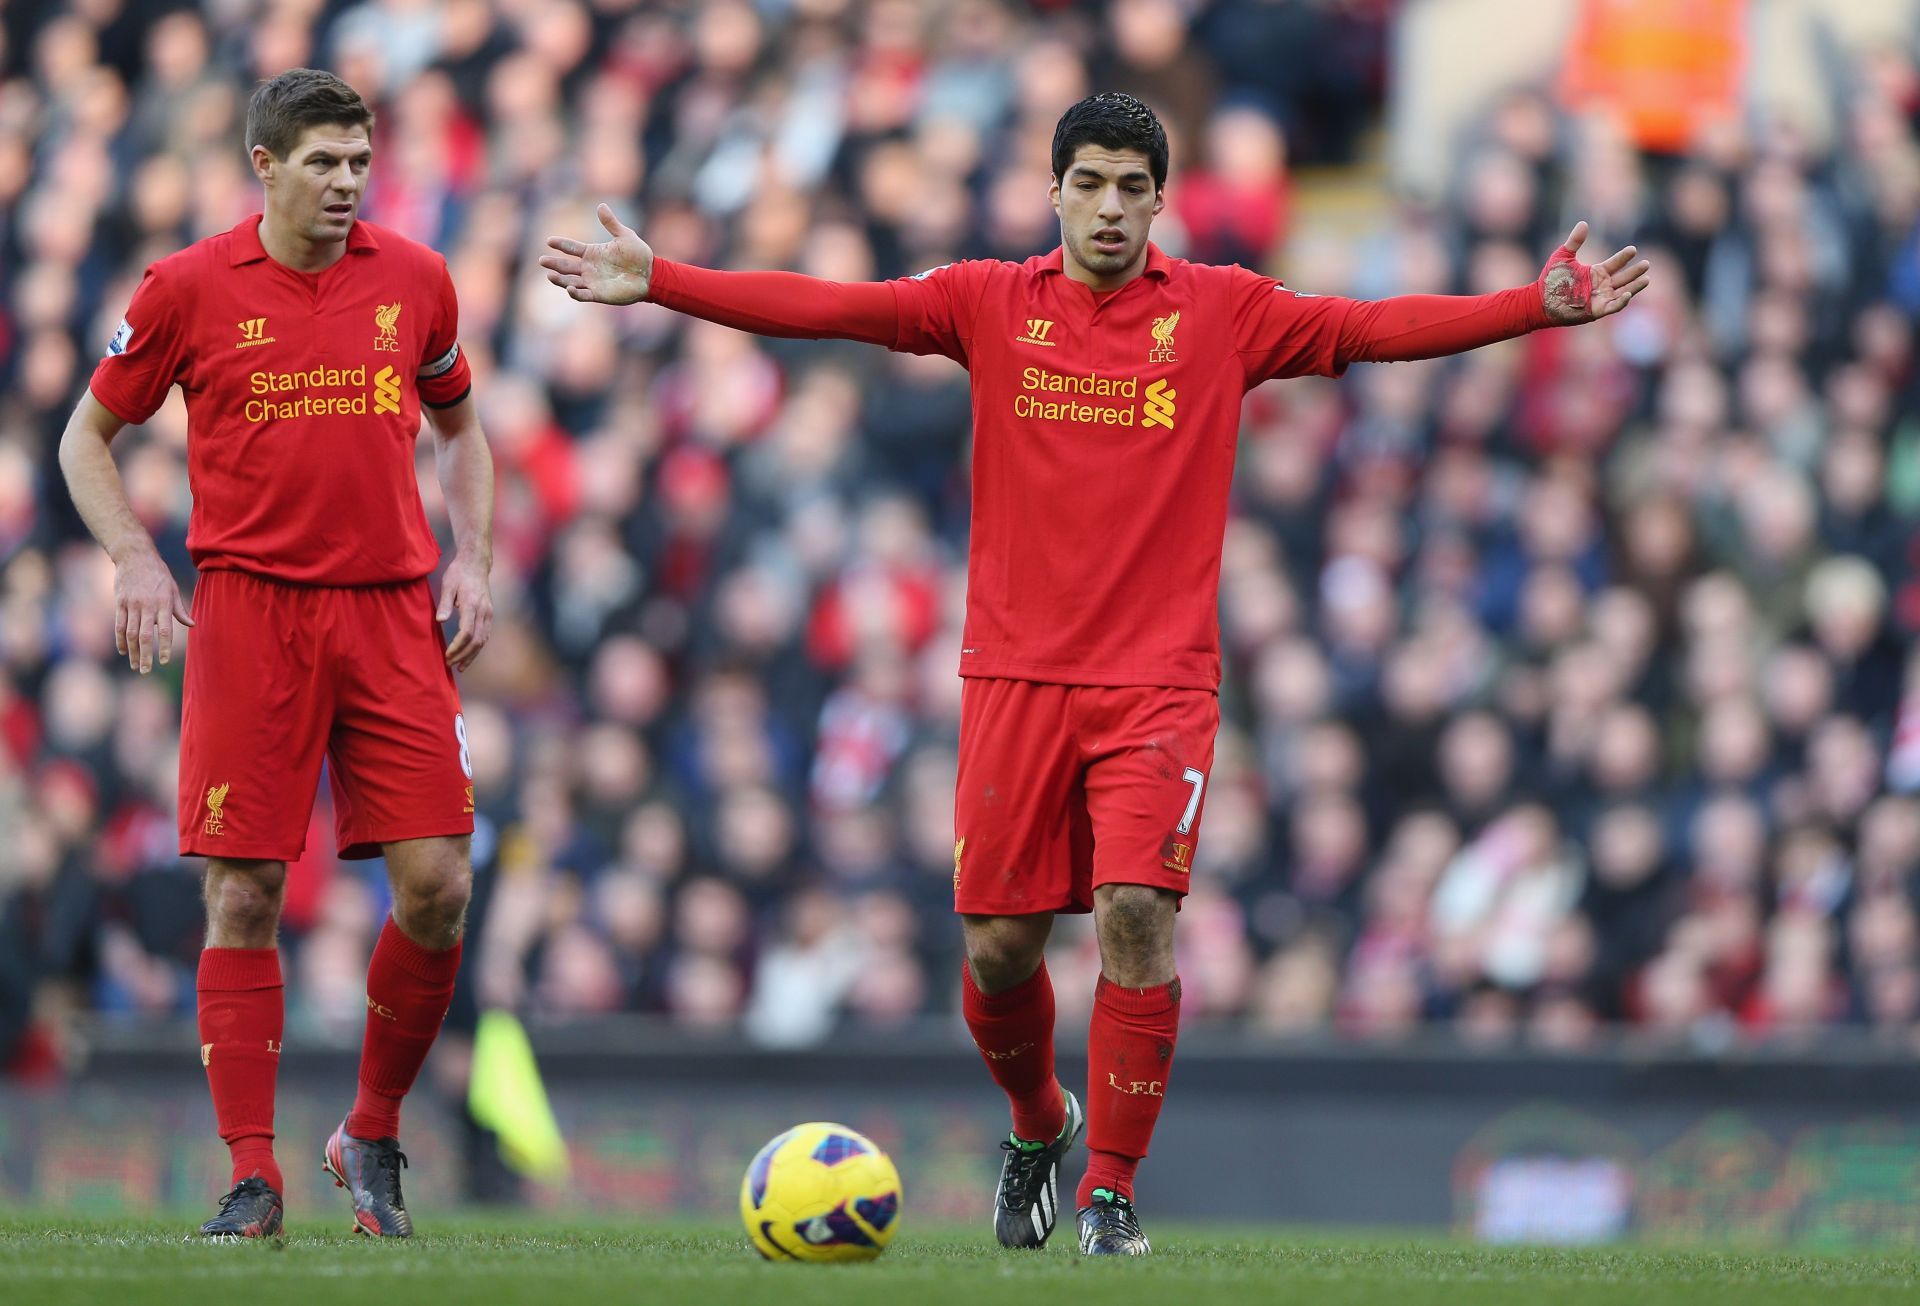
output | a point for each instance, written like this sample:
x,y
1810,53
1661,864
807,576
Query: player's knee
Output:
x,y
442,896
996,970
453,894
241,908
1136,919
246,899
430,898
1000,959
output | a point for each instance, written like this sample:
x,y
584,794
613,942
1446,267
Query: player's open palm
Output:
x,y
1577,292
616,271
146,603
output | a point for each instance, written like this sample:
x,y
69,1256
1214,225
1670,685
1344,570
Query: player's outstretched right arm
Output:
x,y
624,270
146,601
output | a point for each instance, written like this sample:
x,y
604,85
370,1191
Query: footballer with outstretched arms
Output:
x,y
1106,384
307,343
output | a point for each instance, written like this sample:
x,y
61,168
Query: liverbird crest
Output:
x,y
1162,351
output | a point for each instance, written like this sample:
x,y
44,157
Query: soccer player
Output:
x,y
306,342
1107,382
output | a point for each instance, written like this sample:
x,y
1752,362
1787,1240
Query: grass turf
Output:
x,y
477,1261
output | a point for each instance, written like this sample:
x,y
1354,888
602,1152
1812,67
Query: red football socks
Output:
x,y
1014,1032
408,989
243,1014
1129,1052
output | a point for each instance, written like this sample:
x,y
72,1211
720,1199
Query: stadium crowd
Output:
x,y
1564,684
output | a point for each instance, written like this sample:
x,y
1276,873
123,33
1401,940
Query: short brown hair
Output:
x,y
282,109
1112,121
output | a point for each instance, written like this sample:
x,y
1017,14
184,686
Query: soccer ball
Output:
x,y
820,1192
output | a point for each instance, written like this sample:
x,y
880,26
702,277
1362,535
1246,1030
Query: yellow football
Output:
x,y
820,1192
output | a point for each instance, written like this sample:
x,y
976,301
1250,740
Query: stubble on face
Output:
x,y
323,180
1107,203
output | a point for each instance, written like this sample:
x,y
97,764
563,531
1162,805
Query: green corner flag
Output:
x,y
506,1095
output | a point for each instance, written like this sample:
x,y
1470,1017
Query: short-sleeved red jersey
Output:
x,y
303,399
1105,428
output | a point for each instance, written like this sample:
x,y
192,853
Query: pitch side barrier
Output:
x,y
1814,1146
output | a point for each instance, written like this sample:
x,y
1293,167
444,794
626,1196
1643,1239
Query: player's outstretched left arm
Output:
x,y
1567,293
1573,292
466,480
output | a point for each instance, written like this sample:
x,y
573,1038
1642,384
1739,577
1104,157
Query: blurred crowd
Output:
x,y
1565,681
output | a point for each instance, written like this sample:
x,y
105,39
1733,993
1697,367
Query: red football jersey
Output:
x,y
303,399
1105,427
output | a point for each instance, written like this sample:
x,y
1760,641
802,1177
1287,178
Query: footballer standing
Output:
x,y
307,343
1106,384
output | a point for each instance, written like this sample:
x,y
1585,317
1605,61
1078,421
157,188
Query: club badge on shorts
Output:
x,y
216,809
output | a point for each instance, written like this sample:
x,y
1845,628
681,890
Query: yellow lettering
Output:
x,y
304,402
1090,383
1008,1055
318,378
1073,410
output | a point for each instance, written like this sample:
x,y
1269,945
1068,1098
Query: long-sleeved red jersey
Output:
x,y
1104,430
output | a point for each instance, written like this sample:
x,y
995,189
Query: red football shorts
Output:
x,y
280,676
1066,787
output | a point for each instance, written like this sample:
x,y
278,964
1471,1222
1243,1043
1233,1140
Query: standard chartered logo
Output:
x,y
1158,405
1067,397
321,392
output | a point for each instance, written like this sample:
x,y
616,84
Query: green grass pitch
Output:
x,y
477,1261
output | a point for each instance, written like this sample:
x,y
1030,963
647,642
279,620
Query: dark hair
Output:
x,y
281,110
1117,122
